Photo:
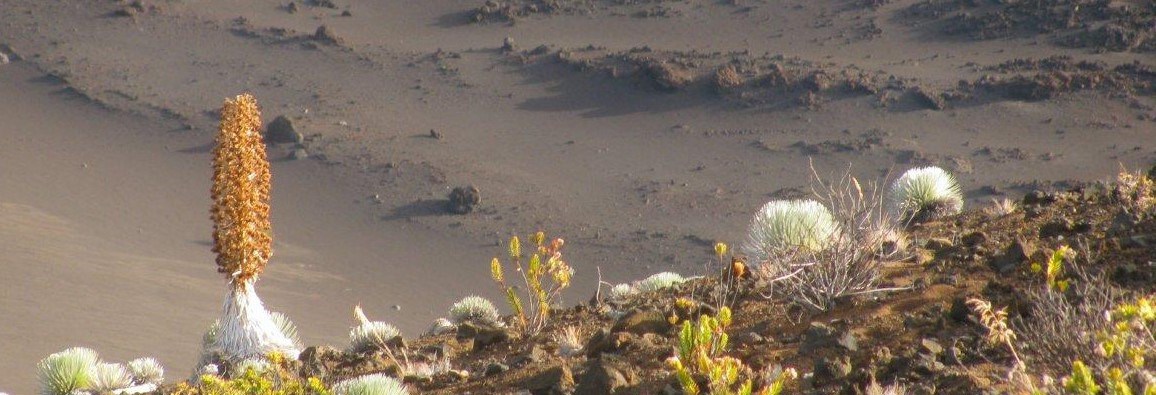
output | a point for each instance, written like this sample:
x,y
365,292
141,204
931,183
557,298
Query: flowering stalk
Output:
x,y
242,237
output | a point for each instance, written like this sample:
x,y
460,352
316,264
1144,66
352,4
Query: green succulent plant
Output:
x,y
786,225
925,193
107,377
373,384
659,281
146,371
475,309
66,371
371,335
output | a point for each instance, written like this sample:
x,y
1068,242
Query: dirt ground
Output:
x,y
639,131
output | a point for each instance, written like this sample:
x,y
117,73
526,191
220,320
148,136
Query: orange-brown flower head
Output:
x,y
242,238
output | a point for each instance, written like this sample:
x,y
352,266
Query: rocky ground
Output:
x,y
922,336
412,138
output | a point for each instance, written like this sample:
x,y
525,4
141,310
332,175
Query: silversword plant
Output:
x,y
242,235
925,193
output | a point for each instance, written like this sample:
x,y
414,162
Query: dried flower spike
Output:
x,y
242,236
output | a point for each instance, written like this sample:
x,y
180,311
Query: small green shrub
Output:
x,y
1053,270
1127,346
544,263
700,351
273,378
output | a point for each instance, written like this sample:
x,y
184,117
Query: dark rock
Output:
x,y
416,379
749,338
126,12
620,341
459,376
929,98
598,343
642,321
555,380
346,13
657,340
496,368
323,3
848,341
483,335
291,8
298,154
819,336
540,50
319,361
927,365
668,76
959,310
817,81
1130,273
396,342
938,244
463,199
974,238
931,346
441,350
1136,241
603,378
828,369
1016,254
1081,226
281,130
1038,197
535,355
508,45
326,35
1058,227
1122,222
